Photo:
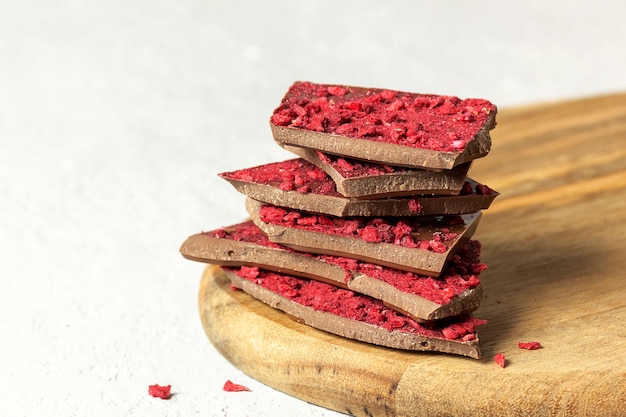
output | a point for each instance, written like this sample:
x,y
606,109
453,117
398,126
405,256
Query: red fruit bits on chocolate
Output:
x,y
412,244
356,316
158,391
455,291
367,234
229,386
393,127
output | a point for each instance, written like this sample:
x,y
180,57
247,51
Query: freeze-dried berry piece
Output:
x,y
414,206
160,391
287,175
337,90
230,386
250,272
273,214
500,359
529,345
482,189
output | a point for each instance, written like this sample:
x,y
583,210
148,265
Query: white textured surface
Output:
x,y
115,117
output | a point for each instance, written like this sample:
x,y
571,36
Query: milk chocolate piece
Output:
x,y
297,184
420,297
347,314
390,127
359,179
400,243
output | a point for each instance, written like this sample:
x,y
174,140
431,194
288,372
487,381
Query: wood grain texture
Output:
x,y
555,243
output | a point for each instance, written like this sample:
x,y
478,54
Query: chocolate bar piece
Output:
x,y
359,179
422,298
415,244
297,184
384,126
351,315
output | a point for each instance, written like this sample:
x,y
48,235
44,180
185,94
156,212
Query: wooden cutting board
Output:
x,y
555,243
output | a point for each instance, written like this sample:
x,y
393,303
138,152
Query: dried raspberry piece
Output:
x,y
220,233
323,220
337,91
345,129
249,271
406,241
287,186
402,229
447,108
316,174
327,187
367,131
394,321
352,105
468,337
349,227
292,217
500,359
229,386
344,165
270,214
370,234
483,190
317,123
281,119
467,188
323,157
299,180
304,189
388,94
309,220
529,345
395,106
437,247
478,268
414,206
472,281
158,391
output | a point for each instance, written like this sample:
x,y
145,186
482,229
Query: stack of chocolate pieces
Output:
x,y
367,232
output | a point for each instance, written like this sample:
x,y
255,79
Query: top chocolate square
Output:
x,y
391,127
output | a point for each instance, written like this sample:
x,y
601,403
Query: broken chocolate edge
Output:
x,y
382,152
346,207
414,181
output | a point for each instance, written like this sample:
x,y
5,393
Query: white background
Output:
x,y
116,116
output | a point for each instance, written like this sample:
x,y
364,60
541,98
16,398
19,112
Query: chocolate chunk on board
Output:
x,y
317,194
422,298
359,179
390,127
398,243
360,317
